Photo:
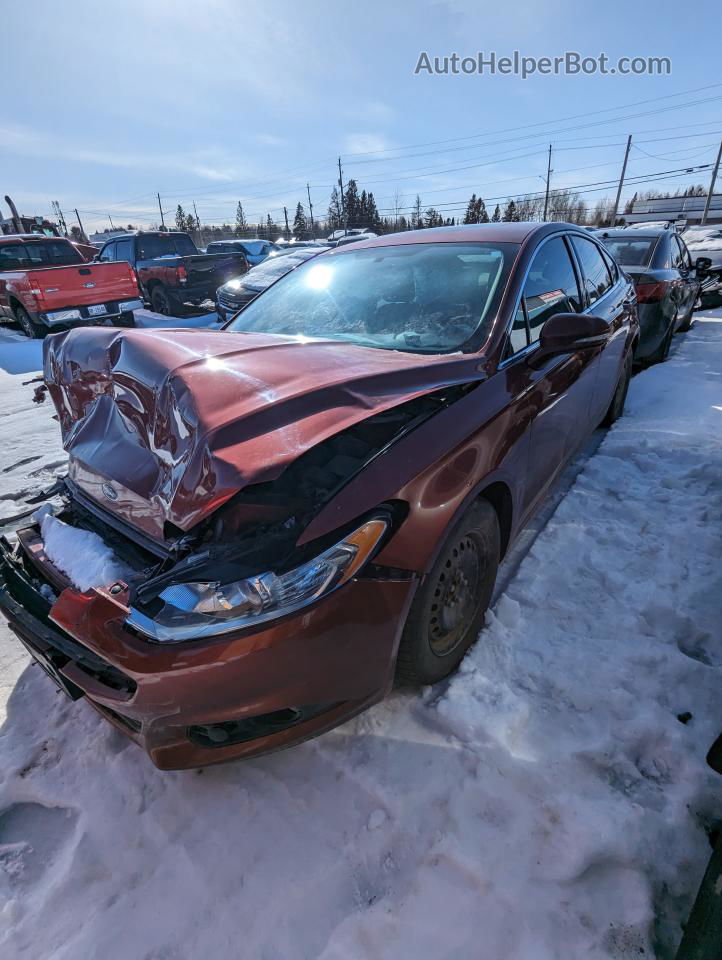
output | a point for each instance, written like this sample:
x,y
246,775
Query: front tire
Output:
x,y
448,610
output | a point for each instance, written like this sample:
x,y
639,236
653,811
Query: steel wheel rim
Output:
x,y
455,597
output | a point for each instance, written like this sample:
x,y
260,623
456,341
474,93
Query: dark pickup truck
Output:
x,y
170,269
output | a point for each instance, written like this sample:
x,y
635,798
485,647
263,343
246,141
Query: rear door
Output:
x,y
606,296
689,285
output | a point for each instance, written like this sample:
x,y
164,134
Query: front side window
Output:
x,y
108,252
124,250
419,298
594,270
551,286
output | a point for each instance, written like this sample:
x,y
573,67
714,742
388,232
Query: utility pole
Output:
x,y
711,186
82,232
288,232
343,199
162,221
198,223
61,219
310,207
621,180
111,222
549,175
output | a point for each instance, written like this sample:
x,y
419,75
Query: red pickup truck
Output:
x,y
46,285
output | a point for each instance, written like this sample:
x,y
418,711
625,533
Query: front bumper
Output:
x,y
90,314
307,672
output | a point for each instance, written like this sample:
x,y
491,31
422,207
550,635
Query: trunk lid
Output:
x,y
82,285
165,426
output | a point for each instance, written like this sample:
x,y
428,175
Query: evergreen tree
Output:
x,y
374,220
334,218
483,215
510,213
191,224
241,224
271,228
416,218
496,216
300,225
472,210
180,218
353,205
432,218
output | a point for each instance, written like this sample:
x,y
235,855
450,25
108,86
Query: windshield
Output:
x,y
420,298
265,273
630,253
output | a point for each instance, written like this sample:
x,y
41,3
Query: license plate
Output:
x,y
98,310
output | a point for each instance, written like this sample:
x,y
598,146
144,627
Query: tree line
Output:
x,y
357,209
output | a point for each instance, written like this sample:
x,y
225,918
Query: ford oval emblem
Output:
x,y
110,492
89,284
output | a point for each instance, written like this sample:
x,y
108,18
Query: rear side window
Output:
x,y
52,253
154,246
595,273
13,257
551,286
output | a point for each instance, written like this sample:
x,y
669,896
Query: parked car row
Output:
x,y
667,283
311,504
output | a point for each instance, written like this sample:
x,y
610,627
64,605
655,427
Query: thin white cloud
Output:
x,y
366,143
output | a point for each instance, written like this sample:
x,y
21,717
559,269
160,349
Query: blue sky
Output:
x,y
216,101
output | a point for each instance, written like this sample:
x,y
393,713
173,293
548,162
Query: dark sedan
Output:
x,y
666,282
240,291
312,504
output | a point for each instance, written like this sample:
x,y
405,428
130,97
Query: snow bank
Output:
x,y
146,319
548,803
81,554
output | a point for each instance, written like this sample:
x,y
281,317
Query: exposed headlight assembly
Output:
x,y
193,611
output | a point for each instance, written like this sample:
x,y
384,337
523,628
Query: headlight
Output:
x,y
196,610
232,285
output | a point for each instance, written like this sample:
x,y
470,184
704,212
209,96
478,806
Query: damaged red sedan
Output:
x,y
262,529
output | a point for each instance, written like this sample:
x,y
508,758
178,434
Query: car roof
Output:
x,y
15,237
462,233
636,234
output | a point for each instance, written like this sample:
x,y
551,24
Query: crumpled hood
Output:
x,y
166,425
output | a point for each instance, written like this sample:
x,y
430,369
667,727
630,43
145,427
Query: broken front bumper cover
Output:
x,y
202,702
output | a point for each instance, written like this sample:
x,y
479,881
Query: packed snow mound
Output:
x,y
81,555
549,802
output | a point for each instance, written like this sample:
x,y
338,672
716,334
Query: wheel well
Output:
x,y
499,496
14,302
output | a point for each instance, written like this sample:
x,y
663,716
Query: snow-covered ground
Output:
x,y
547,803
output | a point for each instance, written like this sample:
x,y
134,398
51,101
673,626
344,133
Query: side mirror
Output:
x,y
570,332
702,264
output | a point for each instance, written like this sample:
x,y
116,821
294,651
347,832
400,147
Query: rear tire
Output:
x,y
662,351
687,322
30,328
616,407
448,610
161,302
